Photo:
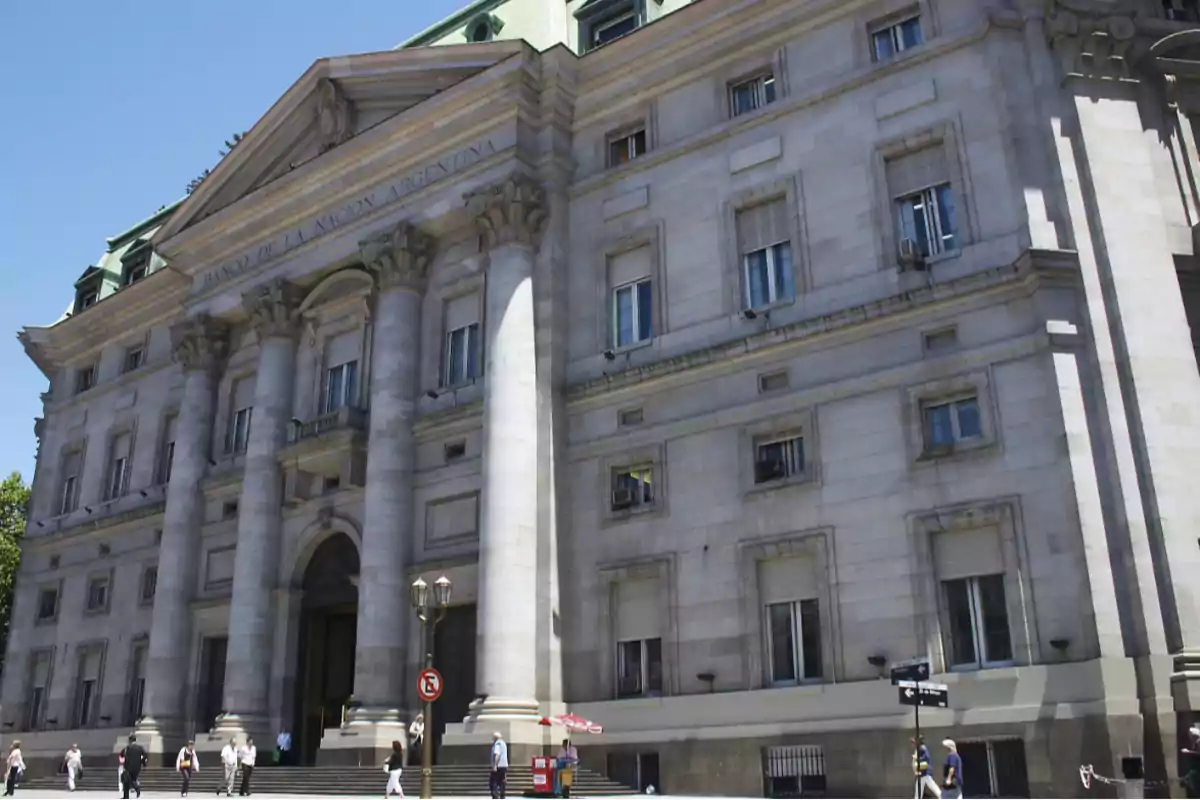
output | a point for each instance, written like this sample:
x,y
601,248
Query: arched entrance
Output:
x,y
328,627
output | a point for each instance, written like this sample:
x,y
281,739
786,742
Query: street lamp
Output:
x,y
430,616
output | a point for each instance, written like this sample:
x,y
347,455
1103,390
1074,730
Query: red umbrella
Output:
x,y
577,724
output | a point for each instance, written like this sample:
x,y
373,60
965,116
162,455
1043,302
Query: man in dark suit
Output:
x,y
134,758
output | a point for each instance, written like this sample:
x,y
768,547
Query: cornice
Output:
x,y
388,148
1030,268
141,306
91,528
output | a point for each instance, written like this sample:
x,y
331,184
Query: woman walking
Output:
x,y
15,766
73,761
394,767
187,765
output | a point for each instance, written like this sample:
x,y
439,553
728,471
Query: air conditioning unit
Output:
x,y
770,470
910,255
622,499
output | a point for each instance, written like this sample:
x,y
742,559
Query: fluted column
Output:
x,y
200,346
511,218
272,312
399,258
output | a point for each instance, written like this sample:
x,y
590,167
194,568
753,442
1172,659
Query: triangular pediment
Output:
x,y
335,100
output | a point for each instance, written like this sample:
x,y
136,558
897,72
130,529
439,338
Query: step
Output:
x,y
451,779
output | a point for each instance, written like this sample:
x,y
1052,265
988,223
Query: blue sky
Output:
x,y
111,107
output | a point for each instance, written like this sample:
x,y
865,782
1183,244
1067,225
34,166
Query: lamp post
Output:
x,y
430,616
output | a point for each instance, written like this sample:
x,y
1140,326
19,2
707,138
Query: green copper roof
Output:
x,y
456,20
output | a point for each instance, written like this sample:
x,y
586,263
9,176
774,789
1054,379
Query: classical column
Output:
x,y
199,346
511,218
399,258
272,312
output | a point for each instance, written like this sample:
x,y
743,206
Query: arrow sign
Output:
x,y
915,670
930,695
429,685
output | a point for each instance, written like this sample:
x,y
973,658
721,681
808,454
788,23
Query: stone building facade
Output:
x,y
718,362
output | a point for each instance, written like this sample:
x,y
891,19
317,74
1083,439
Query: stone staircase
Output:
x,y
449,780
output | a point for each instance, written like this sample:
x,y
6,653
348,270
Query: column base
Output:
x,y
238,727
361,744
159,737
518,721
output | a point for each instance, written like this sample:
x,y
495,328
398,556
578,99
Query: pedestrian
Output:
x,y
952,772
15,764
416,734
924,779
73,763
134,758
394,768
283,743
121,771
229,761
498,776
246,756
568,757
187,765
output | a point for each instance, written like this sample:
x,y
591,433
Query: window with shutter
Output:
x,y
764,241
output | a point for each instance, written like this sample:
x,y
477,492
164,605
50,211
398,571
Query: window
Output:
x,y
97,594
950,422
794,641
462,355
994,768
773,382
341,386
229,510
149,585
628,417
639,668
978,617
167,452
633,312
764,241
134,358
626,147
794,771
239,431
632,488
768,275
887,41
137,683
87,295
927,218
87,687
942,341
39,687
624,18
482,29
47,608
117,479
135,265
85,378
453,451
72,464
778,459
751,95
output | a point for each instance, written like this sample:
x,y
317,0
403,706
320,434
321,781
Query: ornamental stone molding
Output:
x,y
273,308
512,212
399,257
200,343
334,113
1093,38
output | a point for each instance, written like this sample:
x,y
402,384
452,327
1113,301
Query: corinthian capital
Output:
x,y
200,343
272,308
399,257
513,212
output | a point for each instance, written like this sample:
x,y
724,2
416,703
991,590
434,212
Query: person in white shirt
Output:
x,y
229,760
416,733
73,761
246,755
498,777
187,765
568,757
15,766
